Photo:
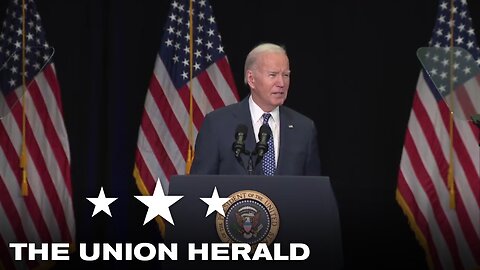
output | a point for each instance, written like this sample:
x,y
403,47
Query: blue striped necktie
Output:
x,y
268,162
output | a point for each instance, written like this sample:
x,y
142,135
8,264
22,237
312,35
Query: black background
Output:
x,y
354,71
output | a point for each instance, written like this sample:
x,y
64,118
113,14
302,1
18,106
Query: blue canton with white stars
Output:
x,y
439,57
175,51
37,51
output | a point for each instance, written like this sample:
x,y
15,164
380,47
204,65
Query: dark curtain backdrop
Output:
x,y
354,71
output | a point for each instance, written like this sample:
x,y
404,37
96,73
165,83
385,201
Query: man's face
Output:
x,y
269,80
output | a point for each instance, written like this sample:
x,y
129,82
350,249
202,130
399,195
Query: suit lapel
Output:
x,y
286,135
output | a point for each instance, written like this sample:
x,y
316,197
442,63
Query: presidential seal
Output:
x,y
250,217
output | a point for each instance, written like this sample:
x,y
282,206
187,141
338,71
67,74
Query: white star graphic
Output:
x,y
101,203
158,204
215,203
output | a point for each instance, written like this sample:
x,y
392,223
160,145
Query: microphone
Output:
x,y
263,137
238,146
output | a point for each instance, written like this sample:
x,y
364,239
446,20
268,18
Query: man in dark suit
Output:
x,y
293,149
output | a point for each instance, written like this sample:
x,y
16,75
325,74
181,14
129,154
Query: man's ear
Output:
x,y
250,78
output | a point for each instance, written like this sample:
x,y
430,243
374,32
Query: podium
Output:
x,y
306,211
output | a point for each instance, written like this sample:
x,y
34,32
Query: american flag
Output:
x,y
171,118
438,182
44,213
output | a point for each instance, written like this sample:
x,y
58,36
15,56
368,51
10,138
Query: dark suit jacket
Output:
x,y
298,152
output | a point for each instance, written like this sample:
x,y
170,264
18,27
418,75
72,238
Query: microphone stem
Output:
x,y
250,164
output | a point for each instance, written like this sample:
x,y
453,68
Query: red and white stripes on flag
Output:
x,y
46,214
167,127
436,143
163,137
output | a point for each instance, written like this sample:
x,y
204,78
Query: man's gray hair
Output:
x,y
258,50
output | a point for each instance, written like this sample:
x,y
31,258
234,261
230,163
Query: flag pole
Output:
x,y
23,154
190,153
451,178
